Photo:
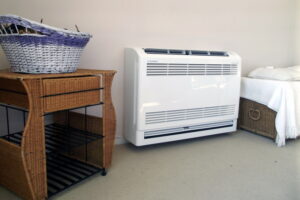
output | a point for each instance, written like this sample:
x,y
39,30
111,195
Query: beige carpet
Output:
x,y
231,166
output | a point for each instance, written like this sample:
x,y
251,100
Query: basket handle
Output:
x,y
77,29
28,24
254,114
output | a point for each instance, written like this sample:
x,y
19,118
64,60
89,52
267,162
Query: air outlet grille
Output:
x,y
187,129
187,114
169,69
185,52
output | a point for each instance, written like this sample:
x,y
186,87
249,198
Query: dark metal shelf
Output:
x,y
59,138
13,107
64,172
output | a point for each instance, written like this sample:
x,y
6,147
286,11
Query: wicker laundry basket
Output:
x,y
257,118
36,48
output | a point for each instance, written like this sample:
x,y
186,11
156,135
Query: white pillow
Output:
x,y
282,74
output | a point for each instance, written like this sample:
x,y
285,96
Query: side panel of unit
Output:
x,y
130,94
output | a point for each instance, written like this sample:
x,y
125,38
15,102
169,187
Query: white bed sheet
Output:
x,y
281,96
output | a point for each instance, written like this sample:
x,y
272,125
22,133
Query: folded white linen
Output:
x,y
295,68
280,97
271,73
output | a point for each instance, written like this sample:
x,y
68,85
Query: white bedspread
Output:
x,y
280,96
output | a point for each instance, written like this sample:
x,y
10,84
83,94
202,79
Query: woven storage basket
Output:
x,y
36,48
257,118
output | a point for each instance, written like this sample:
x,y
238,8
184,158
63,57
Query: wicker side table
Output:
x,y
79,141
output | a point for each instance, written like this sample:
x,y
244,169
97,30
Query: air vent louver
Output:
x,y
188,114
169,69
218,53
156,51
199,53
185,52
187,129
177,52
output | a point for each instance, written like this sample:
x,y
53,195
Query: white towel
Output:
x,y
278,96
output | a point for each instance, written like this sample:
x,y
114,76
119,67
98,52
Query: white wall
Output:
x,y
297,34
261,31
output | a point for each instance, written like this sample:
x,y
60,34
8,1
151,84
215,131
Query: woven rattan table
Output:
x,y
43,159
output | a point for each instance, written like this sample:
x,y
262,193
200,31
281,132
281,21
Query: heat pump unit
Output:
x,y
179,94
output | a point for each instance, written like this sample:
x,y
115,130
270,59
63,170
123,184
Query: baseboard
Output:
x,y
120,140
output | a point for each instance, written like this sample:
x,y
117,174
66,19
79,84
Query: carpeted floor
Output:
x,y
227,167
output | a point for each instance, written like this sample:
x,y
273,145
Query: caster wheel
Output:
x,y
104,172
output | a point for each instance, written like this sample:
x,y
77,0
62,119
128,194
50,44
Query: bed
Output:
x,y
270,108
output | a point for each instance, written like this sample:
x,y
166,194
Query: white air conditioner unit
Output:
x,y
179,94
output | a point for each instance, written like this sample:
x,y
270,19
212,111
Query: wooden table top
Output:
x,y
6,73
